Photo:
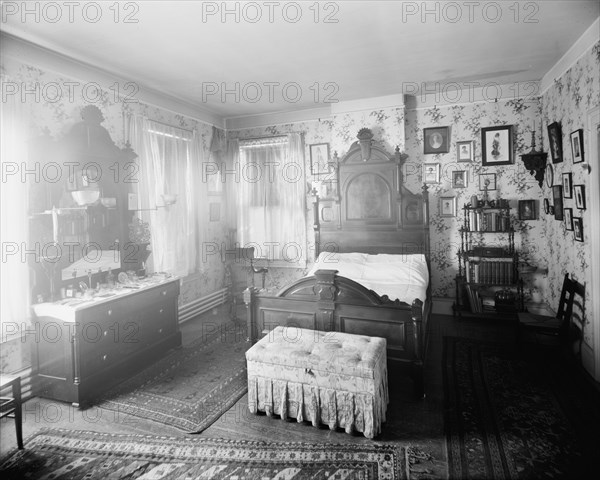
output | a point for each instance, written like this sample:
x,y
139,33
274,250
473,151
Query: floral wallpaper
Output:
x,y
568,102
513,182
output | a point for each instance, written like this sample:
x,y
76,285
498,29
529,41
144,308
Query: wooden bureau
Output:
x,y
81,350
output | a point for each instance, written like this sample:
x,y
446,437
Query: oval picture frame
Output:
x,y
549,175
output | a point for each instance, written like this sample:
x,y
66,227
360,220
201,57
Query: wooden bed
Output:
x,y
366,209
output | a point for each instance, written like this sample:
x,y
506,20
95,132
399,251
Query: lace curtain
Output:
x,y
14,228
271,198
170,161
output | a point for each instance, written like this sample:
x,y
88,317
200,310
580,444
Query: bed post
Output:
x,y
417,363
326,290
426,222
316,226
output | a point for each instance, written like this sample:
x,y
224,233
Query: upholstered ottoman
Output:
x,y
331,378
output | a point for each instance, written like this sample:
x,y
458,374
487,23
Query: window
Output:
x,y
14,270
271,198
169,160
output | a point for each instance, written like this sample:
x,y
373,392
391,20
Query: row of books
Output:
x,y
480,301
496,271
488,221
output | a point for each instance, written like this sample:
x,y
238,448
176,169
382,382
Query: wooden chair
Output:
x,y
11,406
563,327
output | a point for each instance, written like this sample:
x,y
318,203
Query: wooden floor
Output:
x,y
410,422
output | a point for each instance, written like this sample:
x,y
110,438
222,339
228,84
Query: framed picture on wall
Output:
x,y
431,173
578,228
569,219
527,210
319,158
497,145
557,196
448,207
577,146
555,138
487,179
459,179
436,140
464,151
579,192
567,183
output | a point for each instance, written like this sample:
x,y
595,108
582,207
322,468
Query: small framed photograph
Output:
x,y
569,219
557,196
546,205
555,138
549,175
464,151
436,140
319,158
527,210
497,145
431,173
459,179
448,207
577,146
487,179
578,228
579,192
551,212
567,183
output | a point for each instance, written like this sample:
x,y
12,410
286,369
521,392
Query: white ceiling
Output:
x,y
375,48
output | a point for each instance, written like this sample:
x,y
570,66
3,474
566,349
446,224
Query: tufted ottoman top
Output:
x,y
342,353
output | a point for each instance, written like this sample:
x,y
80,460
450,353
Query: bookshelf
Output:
x,y
488,282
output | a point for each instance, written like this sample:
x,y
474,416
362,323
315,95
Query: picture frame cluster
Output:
x,y
565,190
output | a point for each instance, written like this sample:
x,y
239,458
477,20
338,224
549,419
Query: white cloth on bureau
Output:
x,y
402,277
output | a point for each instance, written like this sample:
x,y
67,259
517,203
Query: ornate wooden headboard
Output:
x,y
364,206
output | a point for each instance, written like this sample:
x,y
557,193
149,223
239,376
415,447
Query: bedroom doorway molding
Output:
x,y
592,365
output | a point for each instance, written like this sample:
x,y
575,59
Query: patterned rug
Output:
x,y
72,454
190,388
504,417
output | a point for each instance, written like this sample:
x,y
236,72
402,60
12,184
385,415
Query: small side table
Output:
x,y
12,405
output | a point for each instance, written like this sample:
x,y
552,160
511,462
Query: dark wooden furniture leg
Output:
x,y
12,405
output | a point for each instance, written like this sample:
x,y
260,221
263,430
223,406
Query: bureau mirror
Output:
x,y
78,210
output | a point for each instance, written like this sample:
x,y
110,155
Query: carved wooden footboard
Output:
x,y
328,302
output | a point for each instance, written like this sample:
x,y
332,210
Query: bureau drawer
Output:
x,y
157,321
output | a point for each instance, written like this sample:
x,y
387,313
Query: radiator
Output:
x,y
203,305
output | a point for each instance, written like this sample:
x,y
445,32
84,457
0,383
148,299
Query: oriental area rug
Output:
x,y
73,454
190,388
510,418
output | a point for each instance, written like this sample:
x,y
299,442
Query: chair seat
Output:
x,y
541,323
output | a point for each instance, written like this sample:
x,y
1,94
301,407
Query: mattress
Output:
x,y
401,277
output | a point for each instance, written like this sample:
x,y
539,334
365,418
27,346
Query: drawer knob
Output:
x,y
164,292
104,357
109,312
160,330
105,333
161,310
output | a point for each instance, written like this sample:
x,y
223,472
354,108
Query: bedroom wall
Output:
x,y
55,114
568,101
339,130
513,181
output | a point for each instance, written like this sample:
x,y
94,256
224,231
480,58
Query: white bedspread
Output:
x,y
402,277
